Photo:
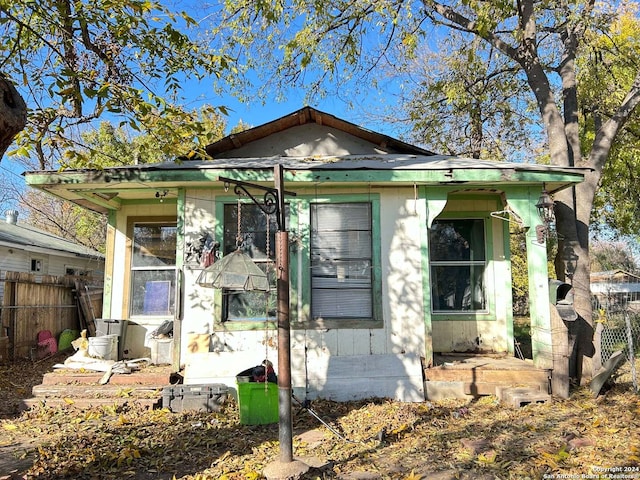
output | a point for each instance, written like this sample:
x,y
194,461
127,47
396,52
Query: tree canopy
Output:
x,y
612,256
607,66
108,145
67,64
466,100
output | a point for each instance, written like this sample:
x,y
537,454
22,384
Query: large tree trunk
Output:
x,y
573,265
13,114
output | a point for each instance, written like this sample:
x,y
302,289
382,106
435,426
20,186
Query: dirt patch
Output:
x,y
19,377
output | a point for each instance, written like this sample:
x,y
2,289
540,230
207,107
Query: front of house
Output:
x,y
394,253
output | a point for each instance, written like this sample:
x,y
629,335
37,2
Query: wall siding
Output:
x,y
392,352
18,260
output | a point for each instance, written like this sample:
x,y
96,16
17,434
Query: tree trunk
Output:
x,y
573,265
476,129
573,206
13,114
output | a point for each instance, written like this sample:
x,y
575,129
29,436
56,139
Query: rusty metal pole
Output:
x,y
285,421
284,345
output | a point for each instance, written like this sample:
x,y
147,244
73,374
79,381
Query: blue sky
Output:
x,y
362,112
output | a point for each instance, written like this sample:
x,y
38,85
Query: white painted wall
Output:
x,y
12,260
340,364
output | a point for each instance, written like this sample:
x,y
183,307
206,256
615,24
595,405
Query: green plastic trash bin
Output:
x,y
258,403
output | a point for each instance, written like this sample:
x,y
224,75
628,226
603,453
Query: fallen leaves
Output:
x,y
413,476
393,440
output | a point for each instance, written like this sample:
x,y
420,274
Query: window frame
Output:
x,y
486,276
299,223
36,265
74,271
173,299
267,261
302,276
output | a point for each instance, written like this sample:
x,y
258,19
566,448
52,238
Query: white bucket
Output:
x,y
104,347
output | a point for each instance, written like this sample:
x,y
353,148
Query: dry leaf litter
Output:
x,y
376,439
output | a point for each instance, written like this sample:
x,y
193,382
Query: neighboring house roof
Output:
x,y
312,147
614,281
31,239
617,275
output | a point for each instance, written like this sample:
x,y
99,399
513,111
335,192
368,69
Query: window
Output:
x,y
250,306
341,261
36,265
153,268
458,261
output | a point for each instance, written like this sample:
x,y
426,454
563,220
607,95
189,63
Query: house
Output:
x,y
38,287
616,290
24,248
395,253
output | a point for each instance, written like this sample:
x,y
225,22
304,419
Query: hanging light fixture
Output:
x,y
545,211
545,207
235,271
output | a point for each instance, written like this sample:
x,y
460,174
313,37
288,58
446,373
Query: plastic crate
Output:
x,y
258,403
203,398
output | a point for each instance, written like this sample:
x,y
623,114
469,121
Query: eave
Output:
x,y
109,189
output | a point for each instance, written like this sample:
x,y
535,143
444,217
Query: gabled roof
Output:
x,y
311,147
31,239
233,145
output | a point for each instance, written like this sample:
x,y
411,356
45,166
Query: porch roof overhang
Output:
x,y
110,188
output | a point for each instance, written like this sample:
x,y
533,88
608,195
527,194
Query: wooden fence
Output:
x,y
34,303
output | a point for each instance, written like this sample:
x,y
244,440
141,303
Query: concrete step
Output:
x,y
70,377
495,376
85,403
98,391
440,390
82,389
476,376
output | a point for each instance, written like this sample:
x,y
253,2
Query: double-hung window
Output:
x,y
153,268
341,261
258,242
458,264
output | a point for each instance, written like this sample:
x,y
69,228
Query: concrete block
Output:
x,y
519,397
441,390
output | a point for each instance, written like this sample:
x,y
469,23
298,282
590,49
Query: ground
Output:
x,y
373,439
